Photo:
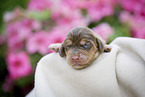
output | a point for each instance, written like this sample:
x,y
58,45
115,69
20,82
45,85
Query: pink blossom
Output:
x,y
22,28
39,4
135,6
15,40
57,35
126,17
100,9
66,9
128,4
79,4
138,22
138,27
38,43
65,12
9,16
65,15
18,65
71,3
139,33
19,31
135,22
71,22
15,43
84,4
104,30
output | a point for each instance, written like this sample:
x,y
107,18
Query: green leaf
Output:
x,y
22,82
34,58
120,31
39,15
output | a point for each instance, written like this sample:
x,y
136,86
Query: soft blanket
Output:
x,y
119,73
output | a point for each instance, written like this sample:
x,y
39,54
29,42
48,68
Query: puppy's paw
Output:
x,y
54,47
107,48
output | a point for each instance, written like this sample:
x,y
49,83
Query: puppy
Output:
x,y
81,47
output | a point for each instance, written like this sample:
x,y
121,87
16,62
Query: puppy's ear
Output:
x,y
100,45
62,51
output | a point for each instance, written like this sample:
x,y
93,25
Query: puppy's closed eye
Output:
x,y
68,44
83,42
86,44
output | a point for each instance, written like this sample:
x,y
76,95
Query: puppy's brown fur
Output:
x,y
81,47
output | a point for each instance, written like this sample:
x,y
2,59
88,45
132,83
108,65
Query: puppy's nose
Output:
x,y
75,58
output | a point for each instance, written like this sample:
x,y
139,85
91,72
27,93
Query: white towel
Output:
x,y
119,73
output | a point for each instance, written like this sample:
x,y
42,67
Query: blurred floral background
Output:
x,y
27,27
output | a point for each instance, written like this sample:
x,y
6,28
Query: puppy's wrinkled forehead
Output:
x,y
80,32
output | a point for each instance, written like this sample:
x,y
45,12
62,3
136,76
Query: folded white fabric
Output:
x,y
119,73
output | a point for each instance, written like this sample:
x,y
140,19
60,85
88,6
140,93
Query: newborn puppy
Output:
x,y
81,47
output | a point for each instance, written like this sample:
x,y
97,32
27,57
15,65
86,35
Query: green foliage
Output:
x,y
34,58
119,31
39,15
22,82
3,66
9,5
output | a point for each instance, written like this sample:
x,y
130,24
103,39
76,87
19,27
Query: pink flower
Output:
x,y
19,31
10,16
68,17
104,30
22,28
135,6
71,3
18,65
84,4
66,11
138,27
38,43
127,4
39,4
126,17
64,14
138,22
135,22
100,9
57,35
139,33
15,43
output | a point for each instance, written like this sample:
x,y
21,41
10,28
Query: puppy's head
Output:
x,y
81,47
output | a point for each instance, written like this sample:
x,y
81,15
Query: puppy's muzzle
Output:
x,y
75,58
